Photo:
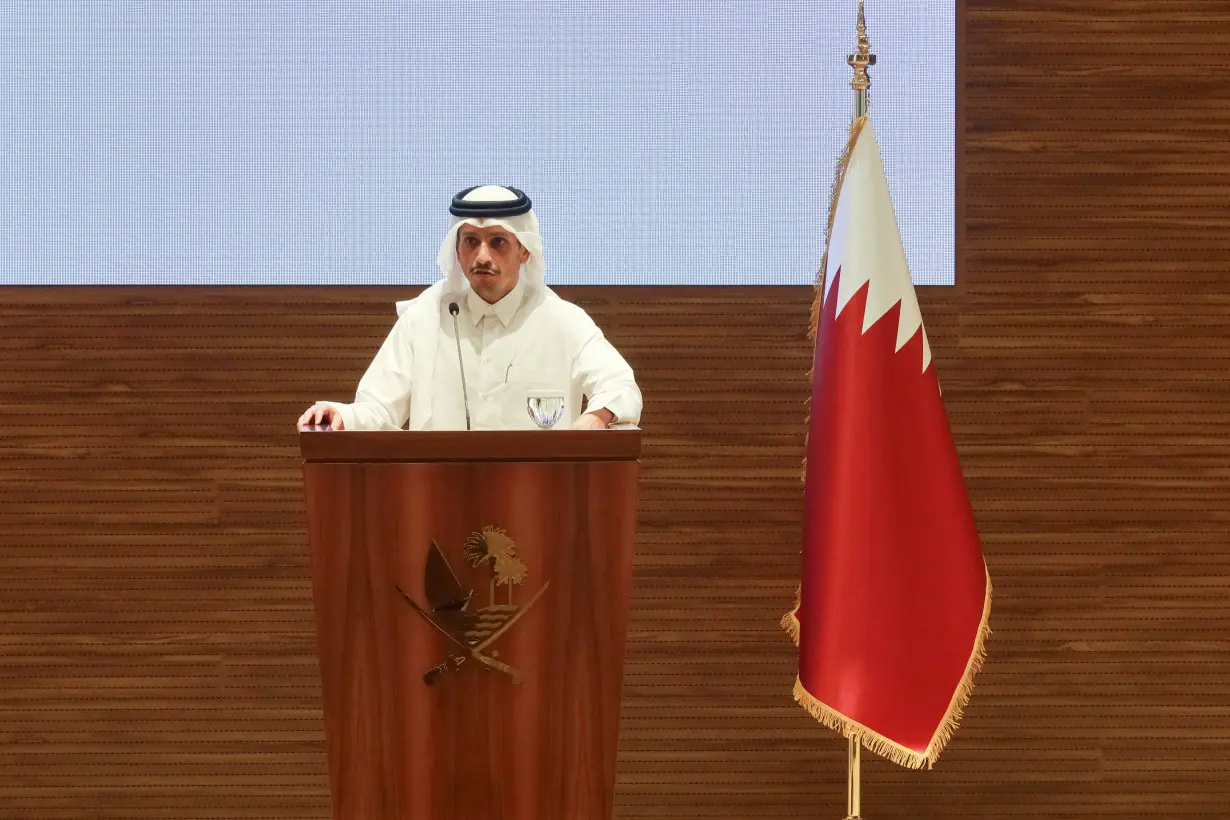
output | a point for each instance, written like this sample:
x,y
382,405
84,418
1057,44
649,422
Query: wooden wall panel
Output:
x,y
156,643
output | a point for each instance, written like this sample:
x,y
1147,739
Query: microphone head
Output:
x,y
453,309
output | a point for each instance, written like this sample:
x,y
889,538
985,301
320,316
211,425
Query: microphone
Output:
x,y
465,397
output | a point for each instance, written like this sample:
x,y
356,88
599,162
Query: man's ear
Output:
x,y
525,254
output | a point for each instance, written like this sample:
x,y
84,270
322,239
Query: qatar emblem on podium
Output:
x,y
472,631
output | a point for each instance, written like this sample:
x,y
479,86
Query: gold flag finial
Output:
x,y
860,62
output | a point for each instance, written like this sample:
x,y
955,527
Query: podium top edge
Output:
x,y
394,446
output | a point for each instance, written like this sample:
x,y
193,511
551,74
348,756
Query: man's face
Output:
x,y
491,258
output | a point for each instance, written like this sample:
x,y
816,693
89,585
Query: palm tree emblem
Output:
x,y
493,545
448,603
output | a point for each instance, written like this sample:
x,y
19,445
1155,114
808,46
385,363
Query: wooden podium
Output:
x,y
471,595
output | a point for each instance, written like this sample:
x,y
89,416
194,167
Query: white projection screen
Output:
x,y
295,143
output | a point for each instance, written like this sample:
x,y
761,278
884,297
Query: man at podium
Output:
x,y
489,346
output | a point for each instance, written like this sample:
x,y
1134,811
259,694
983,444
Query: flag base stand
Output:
x,y
853,761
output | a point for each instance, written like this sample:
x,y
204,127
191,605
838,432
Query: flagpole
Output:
x,y
860,61
852,777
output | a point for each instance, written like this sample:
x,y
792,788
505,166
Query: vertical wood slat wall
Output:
x,y
156,643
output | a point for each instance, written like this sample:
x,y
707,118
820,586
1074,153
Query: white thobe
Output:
x,y
530,341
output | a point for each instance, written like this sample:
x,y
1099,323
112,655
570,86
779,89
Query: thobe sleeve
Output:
x,y
382,401
607,380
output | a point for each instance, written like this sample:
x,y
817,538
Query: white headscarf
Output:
x,y
524,226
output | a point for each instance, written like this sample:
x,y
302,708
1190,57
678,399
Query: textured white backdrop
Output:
x,y
292,143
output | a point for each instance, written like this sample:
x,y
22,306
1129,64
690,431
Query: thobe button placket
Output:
x,y
487,407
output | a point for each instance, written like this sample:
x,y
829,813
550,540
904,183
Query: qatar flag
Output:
x,y
894,596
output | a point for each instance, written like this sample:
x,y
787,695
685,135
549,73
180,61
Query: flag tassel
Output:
x,y
960,698
876,742
790,621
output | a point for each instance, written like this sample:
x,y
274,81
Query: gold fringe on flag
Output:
x,y
790,621
873,740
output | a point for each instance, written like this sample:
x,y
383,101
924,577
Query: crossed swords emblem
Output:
x,y
471,631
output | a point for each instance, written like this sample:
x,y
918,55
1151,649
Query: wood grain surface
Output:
x,y
157,654
474,744
319,444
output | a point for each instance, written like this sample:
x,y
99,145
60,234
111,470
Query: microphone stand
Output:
x,y
465,394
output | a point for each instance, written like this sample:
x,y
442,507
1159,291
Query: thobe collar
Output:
x,y
502,310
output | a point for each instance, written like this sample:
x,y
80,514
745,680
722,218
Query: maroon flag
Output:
x,y
894,597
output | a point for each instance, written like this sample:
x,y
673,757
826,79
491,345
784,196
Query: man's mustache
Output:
x,y
483,269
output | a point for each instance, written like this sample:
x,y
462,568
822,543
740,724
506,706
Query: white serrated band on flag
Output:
x,y
865,244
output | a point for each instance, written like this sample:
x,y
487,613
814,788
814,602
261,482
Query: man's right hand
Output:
x,y
321,413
